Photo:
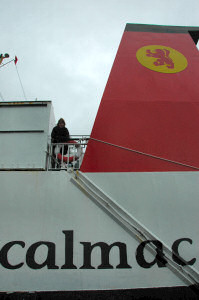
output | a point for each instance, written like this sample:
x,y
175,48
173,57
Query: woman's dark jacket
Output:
x,y
60,135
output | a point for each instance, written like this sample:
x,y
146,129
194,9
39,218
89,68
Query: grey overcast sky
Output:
x,y
66,48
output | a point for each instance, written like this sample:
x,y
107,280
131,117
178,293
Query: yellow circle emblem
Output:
x,y
161,59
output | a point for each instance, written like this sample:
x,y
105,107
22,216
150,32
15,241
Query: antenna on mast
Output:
x,y
6,55
2,57
16,60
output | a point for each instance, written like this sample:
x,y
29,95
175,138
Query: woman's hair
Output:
x,y
61,121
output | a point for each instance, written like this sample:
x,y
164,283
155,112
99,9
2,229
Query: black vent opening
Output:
x,y
195,36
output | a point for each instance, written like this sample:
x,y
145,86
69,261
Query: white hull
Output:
x,y
39,206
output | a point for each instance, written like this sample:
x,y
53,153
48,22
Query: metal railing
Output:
x,y
67,156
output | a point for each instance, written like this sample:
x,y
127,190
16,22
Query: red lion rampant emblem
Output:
x,y
162,56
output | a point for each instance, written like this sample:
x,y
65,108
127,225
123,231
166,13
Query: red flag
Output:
x,y
16,60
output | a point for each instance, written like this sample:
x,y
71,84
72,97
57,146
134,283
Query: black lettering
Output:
x,y
176,257
159,258
105,250
4,255
50,259
68,250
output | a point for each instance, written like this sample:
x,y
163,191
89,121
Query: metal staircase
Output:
x,y
188,274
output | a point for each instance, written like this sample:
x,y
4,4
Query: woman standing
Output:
x,y
60,134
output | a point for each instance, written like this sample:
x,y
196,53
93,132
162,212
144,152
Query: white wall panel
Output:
x,y
38,206
24,131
